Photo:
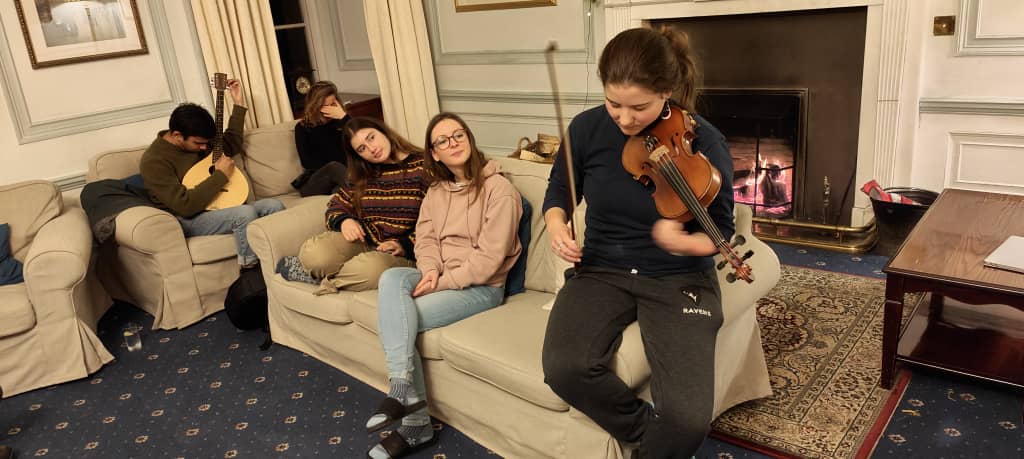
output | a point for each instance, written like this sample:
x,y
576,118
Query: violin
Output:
x,y
684,182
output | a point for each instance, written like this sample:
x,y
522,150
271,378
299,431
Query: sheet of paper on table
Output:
x,y
1009,255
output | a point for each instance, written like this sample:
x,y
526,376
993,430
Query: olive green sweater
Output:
x,y
164,165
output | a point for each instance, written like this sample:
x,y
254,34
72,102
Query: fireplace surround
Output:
x,y
877,136
797,75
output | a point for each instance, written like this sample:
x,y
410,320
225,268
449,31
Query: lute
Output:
x,y
236,190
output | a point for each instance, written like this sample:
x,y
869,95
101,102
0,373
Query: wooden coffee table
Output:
x,y
943,256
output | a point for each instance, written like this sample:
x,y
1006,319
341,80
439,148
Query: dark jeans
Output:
x,y
679,317
325,180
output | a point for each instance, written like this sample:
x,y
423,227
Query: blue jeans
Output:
x,y
231,220
400,317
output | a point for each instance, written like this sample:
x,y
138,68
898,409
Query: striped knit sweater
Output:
x,y
390,204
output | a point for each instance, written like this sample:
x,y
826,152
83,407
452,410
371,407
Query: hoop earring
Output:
x,y
667,111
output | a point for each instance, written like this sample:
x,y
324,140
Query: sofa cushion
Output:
x,y
299,297
10,268
209,249
294,199
26,207
503,347
271,160
364,312
115,164
543,268
18,315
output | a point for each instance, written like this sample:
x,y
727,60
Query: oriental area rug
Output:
x,y
822,336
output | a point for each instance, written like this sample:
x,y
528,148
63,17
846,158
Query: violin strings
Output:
x,y
682,188
678,182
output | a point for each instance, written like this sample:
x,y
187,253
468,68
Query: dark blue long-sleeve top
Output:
x,y
620,210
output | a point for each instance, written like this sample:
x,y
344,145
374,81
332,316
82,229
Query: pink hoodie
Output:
x,y
469,238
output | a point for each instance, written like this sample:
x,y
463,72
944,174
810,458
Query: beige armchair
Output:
x,y
48,325
152,265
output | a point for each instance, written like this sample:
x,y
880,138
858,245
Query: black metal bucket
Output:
x,y
895,220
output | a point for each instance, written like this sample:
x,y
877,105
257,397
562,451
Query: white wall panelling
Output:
x,y
986,162
53,120
340,45
490,67
351,42
37,118
990,27
517,36
500,118
980,151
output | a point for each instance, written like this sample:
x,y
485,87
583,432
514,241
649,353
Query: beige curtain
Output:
x,y
237,37
405,70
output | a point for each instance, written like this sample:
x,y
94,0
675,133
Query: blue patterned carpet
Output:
x,y
209,392
203,392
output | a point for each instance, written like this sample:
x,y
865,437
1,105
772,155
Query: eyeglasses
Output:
x,y
445,142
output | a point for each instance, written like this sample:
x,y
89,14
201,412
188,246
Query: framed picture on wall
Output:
x,y
59,32
462,6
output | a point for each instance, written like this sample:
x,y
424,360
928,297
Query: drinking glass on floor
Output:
x,y
133,336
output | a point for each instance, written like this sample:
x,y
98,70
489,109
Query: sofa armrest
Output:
x,y
282,233
149,230
57,261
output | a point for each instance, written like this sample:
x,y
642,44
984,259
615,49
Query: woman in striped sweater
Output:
x,y
370,220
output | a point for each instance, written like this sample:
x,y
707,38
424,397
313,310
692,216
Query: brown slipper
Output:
x,y
393,410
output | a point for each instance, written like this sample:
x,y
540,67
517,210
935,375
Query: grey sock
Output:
x,y
414,435
290,268
399,391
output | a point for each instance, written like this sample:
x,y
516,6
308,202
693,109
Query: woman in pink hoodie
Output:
x,y
466,243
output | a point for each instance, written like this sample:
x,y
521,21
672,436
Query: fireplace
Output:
x,y
785,90
764,129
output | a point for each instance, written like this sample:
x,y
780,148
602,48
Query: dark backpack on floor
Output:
x,y
246,303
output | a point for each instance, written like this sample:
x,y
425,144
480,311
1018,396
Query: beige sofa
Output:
x,y
484,373
154,266
48,330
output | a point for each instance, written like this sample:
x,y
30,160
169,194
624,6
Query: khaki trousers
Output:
x,y
354,266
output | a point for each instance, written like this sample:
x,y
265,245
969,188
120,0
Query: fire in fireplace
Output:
x,y
764,129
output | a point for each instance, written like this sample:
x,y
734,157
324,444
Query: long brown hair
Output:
x,y
320,91
660,61
438,171
360,170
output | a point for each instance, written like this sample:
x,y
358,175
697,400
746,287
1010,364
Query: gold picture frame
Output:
x,y
59,32
462,6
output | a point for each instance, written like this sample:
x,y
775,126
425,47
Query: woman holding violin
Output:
x,y
638,265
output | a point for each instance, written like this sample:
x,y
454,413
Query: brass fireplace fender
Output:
x,y
849,239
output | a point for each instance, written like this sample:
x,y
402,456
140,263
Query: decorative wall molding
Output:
x,y
493,57
519,97
70,182
204,73
893,44
29,132
523,125
645,10
973,39
344,62
961,106
975,161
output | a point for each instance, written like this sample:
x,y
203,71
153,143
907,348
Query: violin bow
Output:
x,y
549,56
